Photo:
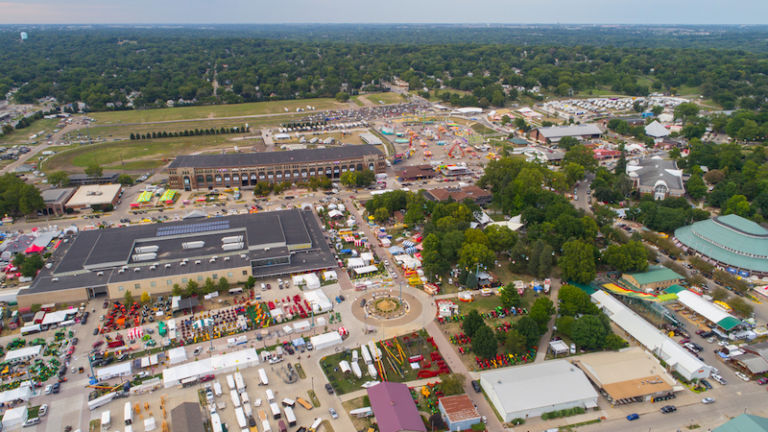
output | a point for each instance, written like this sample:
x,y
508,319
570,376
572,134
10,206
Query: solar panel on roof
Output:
x,y
193,228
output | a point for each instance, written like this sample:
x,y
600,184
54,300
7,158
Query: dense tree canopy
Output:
x,y
18,198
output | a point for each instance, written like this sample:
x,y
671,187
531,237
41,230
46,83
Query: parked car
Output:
x,y
55,389
742,376
666,409
329,388
31,422
633,416
719,379
708,400
43,410
48,389
762,381
476,386
706,384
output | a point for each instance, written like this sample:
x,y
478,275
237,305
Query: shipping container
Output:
x,y
275,410
263,377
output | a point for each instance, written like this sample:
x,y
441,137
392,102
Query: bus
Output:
x,y
128,410
303,403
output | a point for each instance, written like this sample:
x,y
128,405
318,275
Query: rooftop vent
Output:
x,y
101,273
167,266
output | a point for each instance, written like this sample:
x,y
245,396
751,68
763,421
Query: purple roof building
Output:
x,y
394,408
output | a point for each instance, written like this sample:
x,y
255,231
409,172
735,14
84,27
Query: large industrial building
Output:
x,y
553,134
247,169
738,245
666,349
531,390
629,375
153,258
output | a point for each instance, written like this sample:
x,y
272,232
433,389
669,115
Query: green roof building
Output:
x,y
744,423
737,244
655,278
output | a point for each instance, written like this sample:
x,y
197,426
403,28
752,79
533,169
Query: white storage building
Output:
x,y
708,310
652,338
177,355
115,370
325,340
23,354
214,365
14,417
23,392
531,390
354,263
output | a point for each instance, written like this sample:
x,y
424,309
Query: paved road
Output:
x,y
454,362
541,354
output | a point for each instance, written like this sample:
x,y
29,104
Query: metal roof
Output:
x,y
650,171
570,130
530,387
394,408
728,239
271,158
744,423
655,274
656,130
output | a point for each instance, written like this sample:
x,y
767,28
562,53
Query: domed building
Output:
x,y
738,245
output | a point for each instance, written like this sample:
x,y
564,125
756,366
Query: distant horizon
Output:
x,y
478,12
318,23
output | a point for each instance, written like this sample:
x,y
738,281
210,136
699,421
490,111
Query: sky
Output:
x,y
383,11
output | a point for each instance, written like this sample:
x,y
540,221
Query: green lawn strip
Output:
x,y
313,398
300,371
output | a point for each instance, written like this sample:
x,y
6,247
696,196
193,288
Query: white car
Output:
x,y
708,400
719,379
48,389
742,376
43,410
333,413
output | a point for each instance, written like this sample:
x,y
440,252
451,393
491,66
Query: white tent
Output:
x,y
300,326
656,130
318,300
214,365
335,214
23,392
23,354
330,275
115,370
312,281
149,424
14,417
325,340
365,270
177,355
367,257
355,263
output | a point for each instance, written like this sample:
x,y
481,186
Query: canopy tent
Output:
x,y
34,249
14,417
365,270
135,333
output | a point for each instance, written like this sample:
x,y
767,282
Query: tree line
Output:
x,y
189,132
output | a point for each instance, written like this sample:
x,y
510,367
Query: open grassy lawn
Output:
x,y
387,98
213,111
21,136
482,129
360,423
125,131
140,155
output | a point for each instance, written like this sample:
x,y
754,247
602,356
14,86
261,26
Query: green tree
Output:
x,y
695,187
510,297
452,384
128,298
472,254
514,342
192,288
529,329
18,198
177,290
484,343
589,332
738,205
720,294
567,142
657,110
381,214
223,284
614,342
31,265
565,325
629,257
541,311
574,301
250,283
474,235
573,173
686,111
58,179
94,170
578,261
581,155
209,286
125,179
472,321
342,96
145,298
500,238
740,307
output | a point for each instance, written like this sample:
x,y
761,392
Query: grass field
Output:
x,y
387,98
213,111
483,130
140,155
125,131
21,136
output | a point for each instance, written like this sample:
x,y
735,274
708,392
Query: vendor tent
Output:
x,y
115,370
325,340
14,417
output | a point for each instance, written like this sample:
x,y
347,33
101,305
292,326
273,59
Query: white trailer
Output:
x,y
244,398
240,418
344,366
247,409
275,410
235,398
372,371
263,380
288,402
106,419
217,388
355,357
270,396
265,427
239,382
101,401
356,370
290,416
366,355
128,412
315,424
216,423
231,382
